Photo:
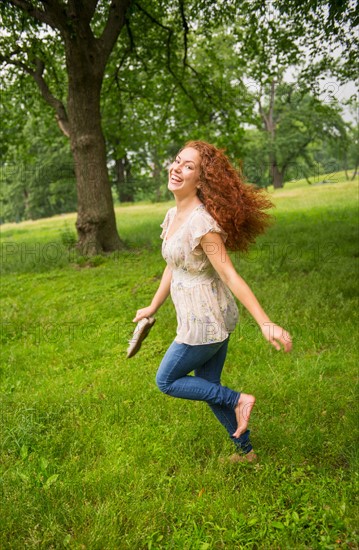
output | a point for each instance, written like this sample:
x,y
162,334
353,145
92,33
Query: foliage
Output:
x,y
38,178
326,28
308,137
199,70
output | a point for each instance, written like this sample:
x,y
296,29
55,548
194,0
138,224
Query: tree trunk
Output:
x,y
156,175
123,178
277,174
96,223
346,166
26,204
270,125
355,171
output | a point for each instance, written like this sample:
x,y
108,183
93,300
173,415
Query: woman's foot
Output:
x,y
249,457
240,457
243,411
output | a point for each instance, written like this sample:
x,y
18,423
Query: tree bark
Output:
x,y
156,175
96,223
86,58
355,171
269,122
123,177
277,176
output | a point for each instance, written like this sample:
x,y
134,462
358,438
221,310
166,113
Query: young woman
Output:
x,y
213,207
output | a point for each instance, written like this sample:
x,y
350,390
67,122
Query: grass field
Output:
x,y
93,456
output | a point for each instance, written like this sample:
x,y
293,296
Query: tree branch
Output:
x,y
7,59
199,78
130,35
299,151
115,21
85,8
167,105
158,23
271,106
122,60
57,12
168,52
36,73
127,51
263,115
52,15
185,33
56,104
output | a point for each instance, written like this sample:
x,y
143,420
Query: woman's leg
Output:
x,y
173,375
211,371
207,361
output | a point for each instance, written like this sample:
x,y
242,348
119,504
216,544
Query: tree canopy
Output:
x,y
129,81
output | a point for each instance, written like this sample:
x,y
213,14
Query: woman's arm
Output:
x,y
213,246
162,293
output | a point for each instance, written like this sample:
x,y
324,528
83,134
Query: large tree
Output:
x,y
39,32
88,32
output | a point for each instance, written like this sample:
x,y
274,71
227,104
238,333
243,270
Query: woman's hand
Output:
x,y
144,312
277,336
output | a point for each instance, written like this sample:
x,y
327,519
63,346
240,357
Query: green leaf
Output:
x,y
50,481
67,540
277,525
24,451
43,463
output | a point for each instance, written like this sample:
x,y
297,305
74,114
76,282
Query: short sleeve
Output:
x,y
166,223
201,224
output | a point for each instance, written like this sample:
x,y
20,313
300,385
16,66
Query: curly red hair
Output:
x,y
238,207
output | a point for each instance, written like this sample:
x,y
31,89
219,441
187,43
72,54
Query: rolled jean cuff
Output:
x,y
243,442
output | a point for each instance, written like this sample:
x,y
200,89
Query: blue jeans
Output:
x,y
207,362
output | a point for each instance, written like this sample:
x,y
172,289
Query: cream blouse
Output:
x,y
205,308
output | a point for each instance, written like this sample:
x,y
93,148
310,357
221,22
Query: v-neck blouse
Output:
x,y
205,308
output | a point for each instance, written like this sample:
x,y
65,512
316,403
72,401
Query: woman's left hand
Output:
x,y
277,336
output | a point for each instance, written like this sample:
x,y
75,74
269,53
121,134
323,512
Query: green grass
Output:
x,y
95,457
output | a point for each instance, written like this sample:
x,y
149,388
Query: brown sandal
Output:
x,y
141,331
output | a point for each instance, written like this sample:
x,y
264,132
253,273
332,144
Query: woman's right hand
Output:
x,y
277,336
144,312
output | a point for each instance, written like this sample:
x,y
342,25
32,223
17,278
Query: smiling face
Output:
x,y
184,173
